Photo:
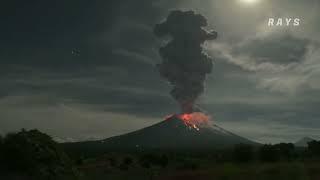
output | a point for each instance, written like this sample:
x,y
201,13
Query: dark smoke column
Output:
x,y
185,65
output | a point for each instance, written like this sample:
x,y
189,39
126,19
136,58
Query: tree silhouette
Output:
x,y
314,148
1,154
286,151
243,153
35,154
268,153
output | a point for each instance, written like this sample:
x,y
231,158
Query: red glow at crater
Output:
x,y
193,120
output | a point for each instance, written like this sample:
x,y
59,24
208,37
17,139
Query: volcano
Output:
x,y
174,133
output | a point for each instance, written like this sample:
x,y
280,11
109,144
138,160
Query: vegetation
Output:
x,y
153,160
34,155
279,161
243,153
269,153
314,149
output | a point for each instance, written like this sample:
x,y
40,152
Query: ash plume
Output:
x,y
185,65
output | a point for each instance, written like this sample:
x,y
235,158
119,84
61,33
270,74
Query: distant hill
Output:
x,y
303,142
170,134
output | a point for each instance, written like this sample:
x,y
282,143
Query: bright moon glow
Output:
x,y
249,1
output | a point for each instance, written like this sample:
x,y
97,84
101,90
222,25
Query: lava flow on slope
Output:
x,y
193,120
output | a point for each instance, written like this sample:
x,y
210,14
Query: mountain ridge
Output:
x,y
171,134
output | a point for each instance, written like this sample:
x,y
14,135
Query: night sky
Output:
x,y
81,70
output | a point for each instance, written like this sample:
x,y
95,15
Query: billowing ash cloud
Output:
x,y
185,65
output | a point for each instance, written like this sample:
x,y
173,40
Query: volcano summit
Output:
x,y
174,133
177,133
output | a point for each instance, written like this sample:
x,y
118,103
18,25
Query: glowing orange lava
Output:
x,y
193,120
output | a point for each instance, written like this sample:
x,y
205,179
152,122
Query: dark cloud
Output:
x,y
281,48
263,85
45,33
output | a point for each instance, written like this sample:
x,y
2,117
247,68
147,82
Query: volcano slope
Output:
x,y
170,134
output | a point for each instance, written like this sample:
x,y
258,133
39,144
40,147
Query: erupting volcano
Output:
x,y
194,120
185,66
178,132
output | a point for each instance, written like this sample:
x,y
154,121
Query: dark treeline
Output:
x,y
35,154
272,153
195,159
238,153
